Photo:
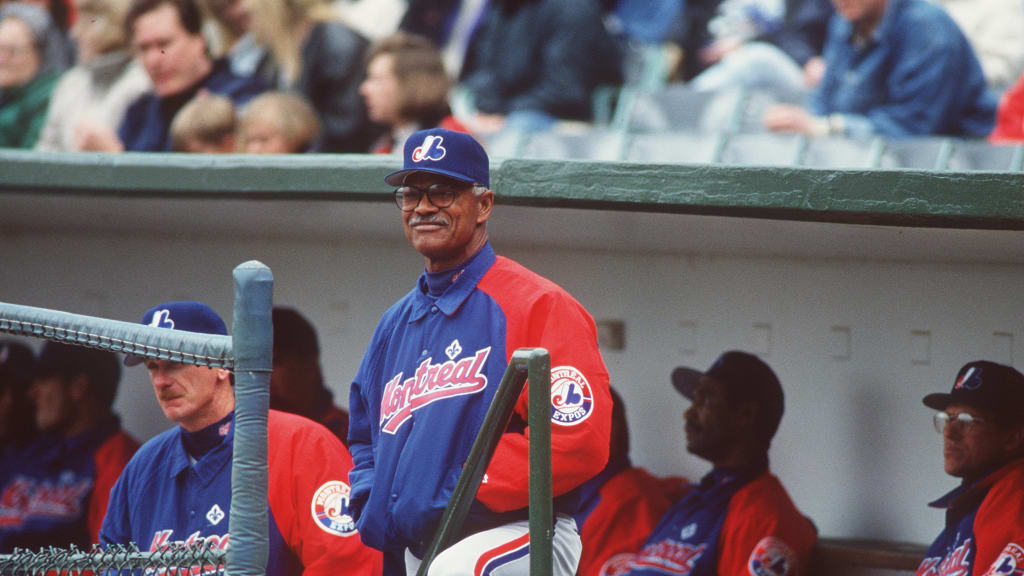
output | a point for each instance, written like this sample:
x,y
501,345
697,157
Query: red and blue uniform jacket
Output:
x,y
730,523
984,531
54,491
163,498
427,381
626,498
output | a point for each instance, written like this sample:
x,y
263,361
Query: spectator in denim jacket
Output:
x,y
895,68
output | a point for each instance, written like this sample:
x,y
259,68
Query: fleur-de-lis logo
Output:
x,y
453,349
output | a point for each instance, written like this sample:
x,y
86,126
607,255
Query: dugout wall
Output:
x,y
864,290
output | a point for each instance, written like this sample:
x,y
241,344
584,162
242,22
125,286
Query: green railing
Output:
x,y
535,364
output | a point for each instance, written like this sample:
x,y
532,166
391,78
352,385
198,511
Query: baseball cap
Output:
x,y
743,373
16,362
446,152
989,386
182,315
293,334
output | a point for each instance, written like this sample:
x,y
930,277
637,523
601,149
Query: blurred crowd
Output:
x,y
358,76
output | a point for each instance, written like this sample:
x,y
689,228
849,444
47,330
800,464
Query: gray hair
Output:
x,y
54,52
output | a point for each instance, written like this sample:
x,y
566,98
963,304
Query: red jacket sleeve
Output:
x,y
763,527
999,524
540,314
111,458
632,503
308,493
1010,115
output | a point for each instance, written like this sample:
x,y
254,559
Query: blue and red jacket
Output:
x,y
984,531
428,379
731,523
54,491
162,498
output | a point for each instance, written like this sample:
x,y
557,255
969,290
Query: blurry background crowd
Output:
x,y
357,76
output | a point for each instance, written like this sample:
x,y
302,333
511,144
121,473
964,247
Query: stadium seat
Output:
x,y
678,108
593,144
505,143
842,153
765,149
980,155
917,154
674,147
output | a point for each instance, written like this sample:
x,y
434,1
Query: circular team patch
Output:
x,y
1010,562
771,557
572,400
330,509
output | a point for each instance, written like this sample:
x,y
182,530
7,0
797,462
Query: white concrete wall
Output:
x,y
856,447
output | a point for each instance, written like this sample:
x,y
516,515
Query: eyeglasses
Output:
x,y
964,420
407,198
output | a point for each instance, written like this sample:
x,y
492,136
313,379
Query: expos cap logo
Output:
x,y
572,400
971,380
431,149
330,509
1010,562
162,319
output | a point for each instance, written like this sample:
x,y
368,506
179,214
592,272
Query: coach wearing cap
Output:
x,y
738,519
982,425
177,488
435,362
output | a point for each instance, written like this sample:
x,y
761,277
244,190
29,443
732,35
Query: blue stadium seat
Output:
x,y
506,143
918,153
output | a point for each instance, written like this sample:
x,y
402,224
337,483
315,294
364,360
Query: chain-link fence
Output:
x,y
199,558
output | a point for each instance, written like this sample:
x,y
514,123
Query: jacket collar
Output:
x,y
456,294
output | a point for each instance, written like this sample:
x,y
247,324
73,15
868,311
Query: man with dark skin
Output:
x,y
432,369
982,425
738,519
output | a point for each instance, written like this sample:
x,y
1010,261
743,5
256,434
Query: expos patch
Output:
x,y
1010,562
771,557
572,400
330,509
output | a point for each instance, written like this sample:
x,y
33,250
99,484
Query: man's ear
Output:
x,y
1014,440
746,414
223,375
486,201
78,389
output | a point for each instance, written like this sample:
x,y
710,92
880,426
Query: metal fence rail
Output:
x,y
535,364
248,353
200,557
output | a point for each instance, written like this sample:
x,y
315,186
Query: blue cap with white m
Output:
x,y
446,152
184,315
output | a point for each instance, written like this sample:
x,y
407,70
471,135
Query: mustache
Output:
x,y
433,219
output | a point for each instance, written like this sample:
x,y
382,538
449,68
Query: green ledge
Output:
x,y
979,200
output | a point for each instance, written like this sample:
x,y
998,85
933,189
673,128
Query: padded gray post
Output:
x,y
253,347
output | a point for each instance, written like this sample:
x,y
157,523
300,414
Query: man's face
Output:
x,y
19,59
710,432
191,396
380,90
972,450
174,59
860,11
52,398
447,236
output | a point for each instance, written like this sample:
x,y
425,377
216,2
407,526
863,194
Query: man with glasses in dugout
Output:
x,y
434,364
982,425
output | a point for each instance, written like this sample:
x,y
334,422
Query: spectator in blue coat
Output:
x,y
168,41
538,61
894,68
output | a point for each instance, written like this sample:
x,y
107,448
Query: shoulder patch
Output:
x,y
1010,562
572,400
330,509
771,557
